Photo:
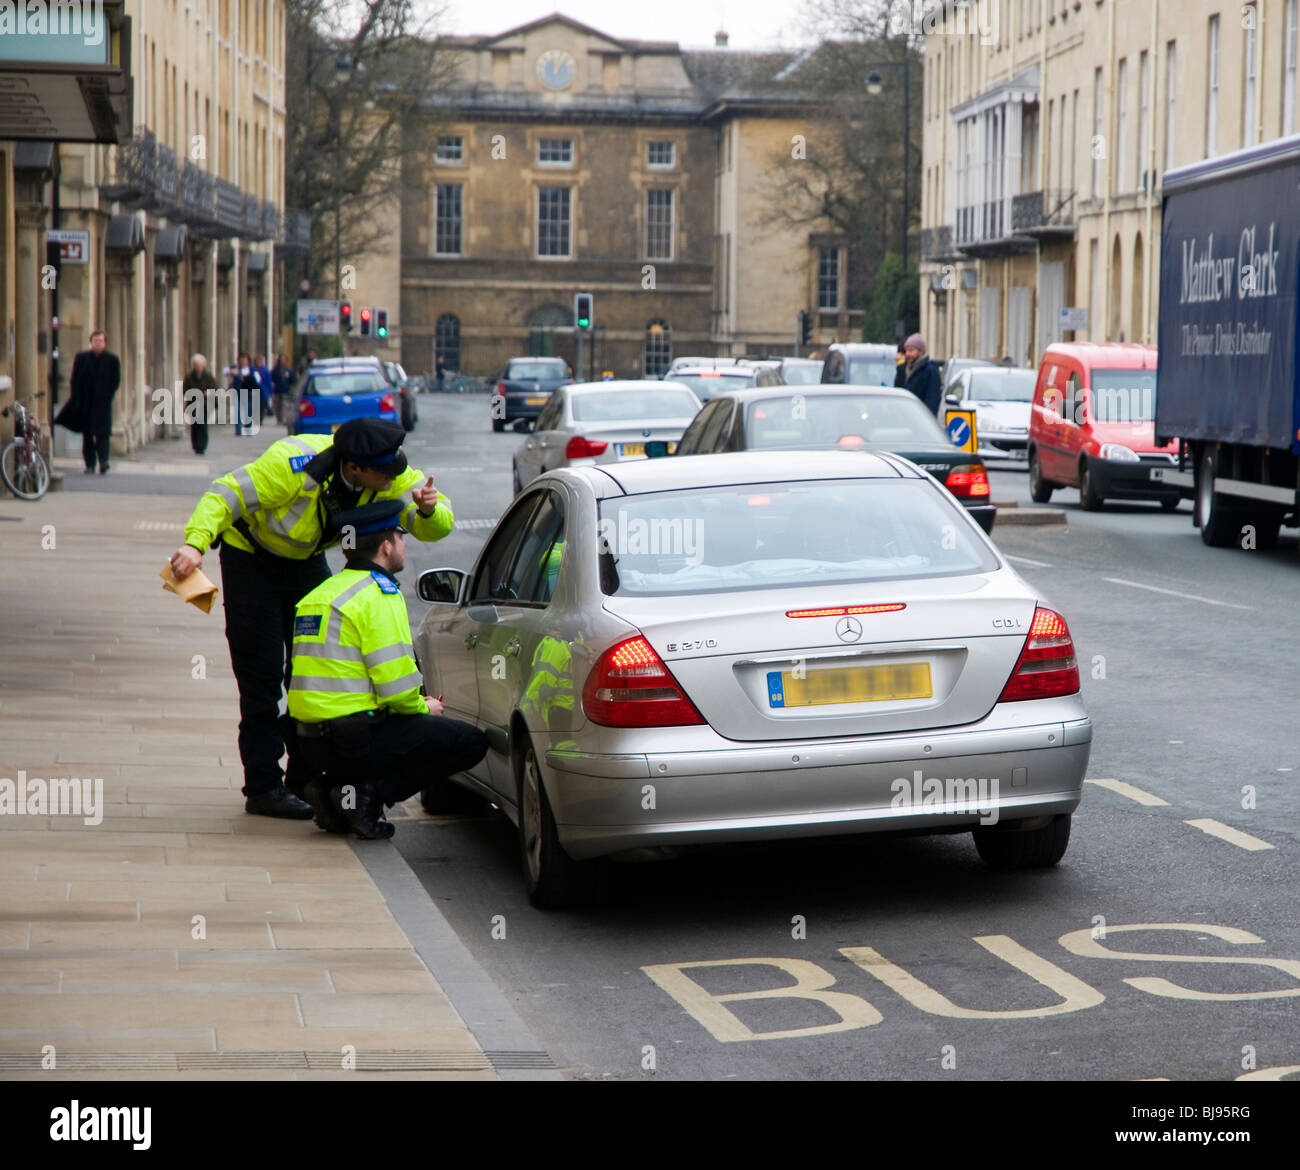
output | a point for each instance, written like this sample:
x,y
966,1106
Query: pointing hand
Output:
x,y
426,497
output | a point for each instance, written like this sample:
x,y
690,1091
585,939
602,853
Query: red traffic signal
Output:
x,y
365,322
345,316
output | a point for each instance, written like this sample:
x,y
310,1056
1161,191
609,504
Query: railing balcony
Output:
x,y
937,244
135,170
1041,213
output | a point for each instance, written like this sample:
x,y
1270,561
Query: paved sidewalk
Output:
x,y
180,937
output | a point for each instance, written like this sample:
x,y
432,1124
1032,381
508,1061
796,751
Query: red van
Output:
x,y
1092,426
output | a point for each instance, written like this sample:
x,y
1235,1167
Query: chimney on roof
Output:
x,y
720,39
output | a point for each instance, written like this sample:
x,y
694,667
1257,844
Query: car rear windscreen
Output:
x,y
803,374
777,535
811,420
709,384
634,405
335,385
871,372
1013,386
537,368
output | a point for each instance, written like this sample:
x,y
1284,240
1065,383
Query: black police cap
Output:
x,y
380,516
372,442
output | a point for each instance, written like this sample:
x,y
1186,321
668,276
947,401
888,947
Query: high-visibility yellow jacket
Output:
x,y
352,650
281,503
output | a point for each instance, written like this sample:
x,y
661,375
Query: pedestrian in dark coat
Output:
x,y
920,375
247,394
96,376
197,393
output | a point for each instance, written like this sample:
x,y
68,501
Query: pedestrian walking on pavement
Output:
x,y
282,387
271,518
357,716
96,376
919,374
197,392
440,369
264,385
247,393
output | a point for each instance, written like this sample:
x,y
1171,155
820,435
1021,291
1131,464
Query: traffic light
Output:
x,y
805,327
381,322
366,315
345,316
582,306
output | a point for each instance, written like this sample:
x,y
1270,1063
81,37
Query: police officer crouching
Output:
x,y
359,719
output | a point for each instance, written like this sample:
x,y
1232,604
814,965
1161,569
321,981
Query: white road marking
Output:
x,y
1175,593
1027,561
1128,790
474,525
1229,834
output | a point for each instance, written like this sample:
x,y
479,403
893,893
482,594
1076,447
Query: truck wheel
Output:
x,y
1012,848
1220,526
1040,491
1088,496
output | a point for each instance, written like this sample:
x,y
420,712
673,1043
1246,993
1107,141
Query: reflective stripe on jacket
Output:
x,y
280,503
352,650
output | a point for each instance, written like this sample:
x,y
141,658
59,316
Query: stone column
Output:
x,y
30,386
121,340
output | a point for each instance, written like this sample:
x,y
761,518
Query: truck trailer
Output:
x,y
1227,385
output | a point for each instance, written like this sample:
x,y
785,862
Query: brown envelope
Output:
x,y
196,588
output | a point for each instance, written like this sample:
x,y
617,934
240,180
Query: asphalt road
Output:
x,y
912,960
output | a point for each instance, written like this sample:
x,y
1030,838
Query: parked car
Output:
x,y
408,388
1092,426
1001,398
860,364
780,647
524,387
801,371
335,390
603,422
845,418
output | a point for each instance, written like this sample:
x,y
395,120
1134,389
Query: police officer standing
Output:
x,y
272,519
354,694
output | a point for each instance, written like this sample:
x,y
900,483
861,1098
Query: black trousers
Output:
x,y
94,448
261,593
199,437
405,753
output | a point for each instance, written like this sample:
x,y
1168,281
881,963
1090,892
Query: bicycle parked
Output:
x,y
22,465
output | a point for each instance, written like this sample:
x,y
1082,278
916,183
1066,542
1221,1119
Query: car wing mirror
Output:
x,y
954,396
442,586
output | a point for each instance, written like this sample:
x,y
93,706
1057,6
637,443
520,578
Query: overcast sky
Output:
x,y
752,24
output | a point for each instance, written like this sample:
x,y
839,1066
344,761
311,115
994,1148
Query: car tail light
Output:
x,y
970,480
580,448
306,409
631,687
1046,666
387,403
501,388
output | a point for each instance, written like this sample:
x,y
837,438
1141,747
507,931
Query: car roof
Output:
x,y
344,366
642,476
863,349
584,388
816,390
1110,354
1000,371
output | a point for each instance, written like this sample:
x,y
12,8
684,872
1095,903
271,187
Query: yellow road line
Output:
x,y
1128,790
1229,834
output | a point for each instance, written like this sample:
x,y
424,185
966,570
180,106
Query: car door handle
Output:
x,y
512,648
471,642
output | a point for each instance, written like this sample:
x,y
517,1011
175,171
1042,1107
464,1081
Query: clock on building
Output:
x,y
556,69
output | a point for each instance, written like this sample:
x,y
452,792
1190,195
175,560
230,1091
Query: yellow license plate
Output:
x,y
536,401
854,684
639,448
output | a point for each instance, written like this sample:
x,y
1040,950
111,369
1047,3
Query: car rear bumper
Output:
x,y
1131,481
315,426
518,406
607,803
984,514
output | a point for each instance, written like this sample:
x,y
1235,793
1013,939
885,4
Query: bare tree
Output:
x,y
363,79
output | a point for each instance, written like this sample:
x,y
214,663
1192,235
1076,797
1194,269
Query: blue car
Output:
x,y
334,391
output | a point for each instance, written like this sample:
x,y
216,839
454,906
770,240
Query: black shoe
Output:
x,y
103,470
278,802
367,819
327,816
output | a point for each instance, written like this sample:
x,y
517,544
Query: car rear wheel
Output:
x,y
1040,491
1088,496
551,877
1008,847
446,797
498,425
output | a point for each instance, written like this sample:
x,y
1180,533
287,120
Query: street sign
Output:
x,y
318,317
961,430
74,247
1073,320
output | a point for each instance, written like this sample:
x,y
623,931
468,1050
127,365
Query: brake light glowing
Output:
x,y
306,409
1047,666
846,610
581,448
971,479
852,441
630,686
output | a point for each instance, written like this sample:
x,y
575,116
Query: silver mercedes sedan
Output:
x,y
751,646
